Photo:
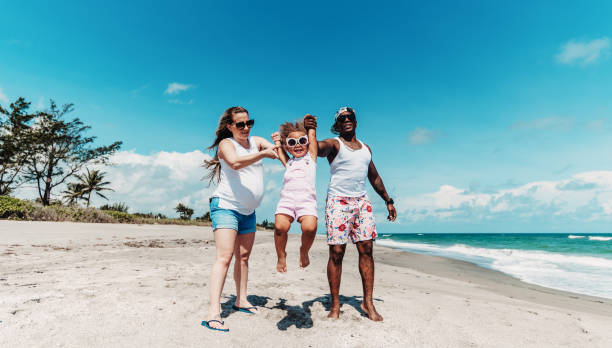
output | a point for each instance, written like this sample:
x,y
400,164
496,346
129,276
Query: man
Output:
x,y
348,211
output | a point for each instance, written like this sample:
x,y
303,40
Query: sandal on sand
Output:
x,y
244,309
207,325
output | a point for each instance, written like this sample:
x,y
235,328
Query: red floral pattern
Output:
x,y
349,217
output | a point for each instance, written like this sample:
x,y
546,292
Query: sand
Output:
x,y
111,285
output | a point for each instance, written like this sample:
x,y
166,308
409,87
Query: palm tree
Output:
x,y
92,181
74,192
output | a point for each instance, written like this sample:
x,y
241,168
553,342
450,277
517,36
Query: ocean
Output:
x,y
580,263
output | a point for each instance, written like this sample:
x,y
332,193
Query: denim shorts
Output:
x,y
225,218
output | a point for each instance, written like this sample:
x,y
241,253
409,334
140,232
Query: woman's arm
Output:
x,y
227,152
282,156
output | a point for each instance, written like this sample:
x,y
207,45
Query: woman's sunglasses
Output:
x,y
291,142
343,118
241,125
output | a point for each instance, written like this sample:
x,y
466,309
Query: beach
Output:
x,y
121,285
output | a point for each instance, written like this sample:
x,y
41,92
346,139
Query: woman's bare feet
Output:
x,y
371,312
216,323
304,259
281,264
246,305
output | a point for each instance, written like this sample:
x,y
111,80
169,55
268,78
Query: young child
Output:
x,y
298,196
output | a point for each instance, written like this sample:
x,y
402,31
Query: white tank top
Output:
x,y
241,190
349,171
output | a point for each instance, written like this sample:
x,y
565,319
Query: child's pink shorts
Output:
x,y
297,206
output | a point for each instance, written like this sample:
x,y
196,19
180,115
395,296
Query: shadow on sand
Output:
x,y
301,317
226,307
298,316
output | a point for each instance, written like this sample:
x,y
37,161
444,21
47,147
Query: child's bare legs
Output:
x,y
309,230
282,223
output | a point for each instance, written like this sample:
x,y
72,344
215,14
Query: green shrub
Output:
x,y
13,208
120,216
115,207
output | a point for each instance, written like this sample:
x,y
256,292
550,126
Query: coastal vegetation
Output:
x,y
45,149
18,209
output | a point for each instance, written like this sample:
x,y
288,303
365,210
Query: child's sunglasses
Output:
x,y
343,118
303,140
241,125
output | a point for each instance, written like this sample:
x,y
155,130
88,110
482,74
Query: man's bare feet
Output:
x,y
281,264
334,313
371,312
304,259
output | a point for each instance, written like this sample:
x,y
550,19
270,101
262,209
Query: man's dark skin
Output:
x,y
329,148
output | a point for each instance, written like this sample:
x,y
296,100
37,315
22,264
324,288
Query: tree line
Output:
x,y
46,149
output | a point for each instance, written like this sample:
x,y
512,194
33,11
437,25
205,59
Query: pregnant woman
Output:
x,y
238,170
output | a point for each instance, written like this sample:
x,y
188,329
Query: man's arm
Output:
x,y
324,147
379,187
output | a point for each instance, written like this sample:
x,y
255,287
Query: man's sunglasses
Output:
x,y
241,125
343,118
291,142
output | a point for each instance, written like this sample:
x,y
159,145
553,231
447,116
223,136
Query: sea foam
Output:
x,y
582,274
603,239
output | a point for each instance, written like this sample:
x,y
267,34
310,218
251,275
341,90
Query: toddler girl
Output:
x,y
298,196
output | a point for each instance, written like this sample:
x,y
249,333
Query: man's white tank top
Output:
x,y
349,171
241,190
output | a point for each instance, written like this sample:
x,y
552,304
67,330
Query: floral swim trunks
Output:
x,y
349,217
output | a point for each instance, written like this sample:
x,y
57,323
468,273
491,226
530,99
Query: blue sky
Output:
x,y
484,97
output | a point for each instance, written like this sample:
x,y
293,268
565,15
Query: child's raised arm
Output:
x,y
313,147
282,156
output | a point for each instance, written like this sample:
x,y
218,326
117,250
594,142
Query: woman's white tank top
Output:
x,y
241,190
349,171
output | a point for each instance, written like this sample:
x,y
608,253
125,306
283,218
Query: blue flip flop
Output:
x,y
244,309
206,324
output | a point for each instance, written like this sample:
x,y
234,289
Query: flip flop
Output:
x,y
206,324
244,309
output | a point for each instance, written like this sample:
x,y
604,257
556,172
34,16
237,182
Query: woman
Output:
x,y
238,170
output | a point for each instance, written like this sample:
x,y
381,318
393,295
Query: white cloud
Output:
x,y
421,136
585,52
176,88
3,98
596,125
583,197
545,123
158,182
182,102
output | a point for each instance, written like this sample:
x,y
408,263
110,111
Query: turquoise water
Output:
x,y
579,263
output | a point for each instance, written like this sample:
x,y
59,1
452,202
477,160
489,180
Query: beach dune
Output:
x,y
112,285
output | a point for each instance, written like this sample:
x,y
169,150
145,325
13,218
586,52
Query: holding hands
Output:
x,y
270,152
310,122
276,137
